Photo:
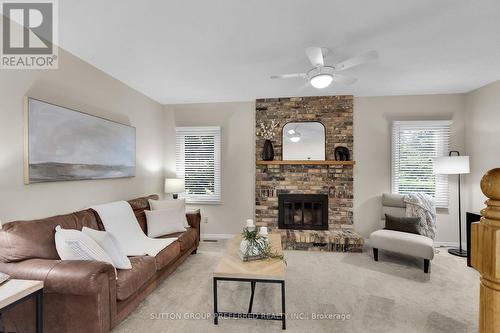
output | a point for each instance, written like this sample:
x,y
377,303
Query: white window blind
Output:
x,y
198,155
414,144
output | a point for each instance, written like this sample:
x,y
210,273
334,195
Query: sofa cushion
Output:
x,y
178,205
403,242
22,240
167,255
165,221
110,245
187,239
73,244
131,280
138,206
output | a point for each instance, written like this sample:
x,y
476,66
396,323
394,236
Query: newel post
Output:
x,y
485,255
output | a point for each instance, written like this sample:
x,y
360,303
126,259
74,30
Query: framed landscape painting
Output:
x,y
63,144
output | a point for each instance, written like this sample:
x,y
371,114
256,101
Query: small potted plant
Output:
x,y
256,246
267,132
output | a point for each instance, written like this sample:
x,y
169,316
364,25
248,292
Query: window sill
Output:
x,y
203,202
442,210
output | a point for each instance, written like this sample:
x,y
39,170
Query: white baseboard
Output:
x,y
217,236
449,244
445,244
367,242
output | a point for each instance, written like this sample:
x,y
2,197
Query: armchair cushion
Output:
x,y
403,242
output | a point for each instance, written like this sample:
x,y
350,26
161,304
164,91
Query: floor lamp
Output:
x,y
454,164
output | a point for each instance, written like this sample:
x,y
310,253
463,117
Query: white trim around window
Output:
x,y
414,144
198,162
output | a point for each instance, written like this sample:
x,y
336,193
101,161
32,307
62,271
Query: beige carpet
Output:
x,y
360,295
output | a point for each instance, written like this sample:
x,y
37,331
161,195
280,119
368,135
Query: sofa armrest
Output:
x,y
194,220
80,296
74,277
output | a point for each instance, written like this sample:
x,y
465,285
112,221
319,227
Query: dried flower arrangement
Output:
x,y
267,131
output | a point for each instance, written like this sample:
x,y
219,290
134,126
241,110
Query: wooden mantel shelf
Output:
x,y
305,162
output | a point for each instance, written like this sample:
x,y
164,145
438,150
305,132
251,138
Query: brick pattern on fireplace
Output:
x,y
336,114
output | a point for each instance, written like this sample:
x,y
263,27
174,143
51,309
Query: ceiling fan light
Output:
x,y
321,81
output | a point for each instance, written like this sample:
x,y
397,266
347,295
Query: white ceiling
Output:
x,y
188,51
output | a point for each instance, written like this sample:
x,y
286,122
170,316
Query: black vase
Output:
x,y
268,151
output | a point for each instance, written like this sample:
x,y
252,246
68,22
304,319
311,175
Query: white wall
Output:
x,y
80,86
482,139
372,151
169,137
372,176
238,161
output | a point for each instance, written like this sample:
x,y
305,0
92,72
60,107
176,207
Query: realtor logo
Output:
x,y
29,34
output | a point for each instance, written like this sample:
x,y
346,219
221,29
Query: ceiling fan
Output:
x,y
321,76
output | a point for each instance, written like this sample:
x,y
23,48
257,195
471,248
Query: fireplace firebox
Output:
x,y
303,211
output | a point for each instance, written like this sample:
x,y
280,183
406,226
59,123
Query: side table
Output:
x,y
16,291
469,219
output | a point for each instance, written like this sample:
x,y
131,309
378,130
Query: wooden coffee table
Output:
x,y
232,268
16,291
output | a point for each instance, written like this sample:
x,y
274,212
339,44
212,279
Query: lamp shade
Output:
x,y
451,165
174,185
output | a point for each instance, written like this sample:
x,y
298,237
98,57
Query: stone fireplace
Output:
x,y
278,181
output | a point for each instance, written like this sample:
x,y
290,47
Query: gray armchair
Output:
x,y
397,241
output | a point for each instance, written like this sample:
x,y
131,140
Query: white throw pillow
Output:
x,y
73,244
110,245
165,221
179,204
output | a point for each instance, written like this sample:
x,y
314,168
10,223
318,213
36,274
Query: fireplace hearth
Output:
x,y
303,211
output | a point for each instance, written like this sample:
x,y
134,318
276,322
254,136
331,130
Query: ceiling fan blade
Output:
x,y
356,61
316,56
289,76
344,79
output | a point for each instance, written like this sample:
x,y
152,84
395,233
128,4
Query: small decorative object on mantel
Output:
x,y
267,132
342,154
255,244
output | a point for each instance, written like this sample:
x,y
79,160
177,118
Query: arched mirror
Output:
x,y
304,141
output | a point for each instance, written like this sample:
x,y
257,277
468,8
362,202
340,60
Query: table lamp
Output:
x,y
174,186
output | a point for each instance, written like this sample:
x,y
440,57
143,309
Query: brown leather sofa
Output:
x,y
84,296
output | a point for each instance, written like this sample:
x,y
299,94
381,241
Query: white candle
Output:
x,y
250,223
263,231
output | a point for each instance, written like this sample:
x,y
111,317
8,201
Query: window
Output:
x,y
198,162
414,144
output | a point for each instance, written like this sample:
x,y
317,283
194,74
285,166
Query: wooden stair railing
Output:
x,y
485,256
